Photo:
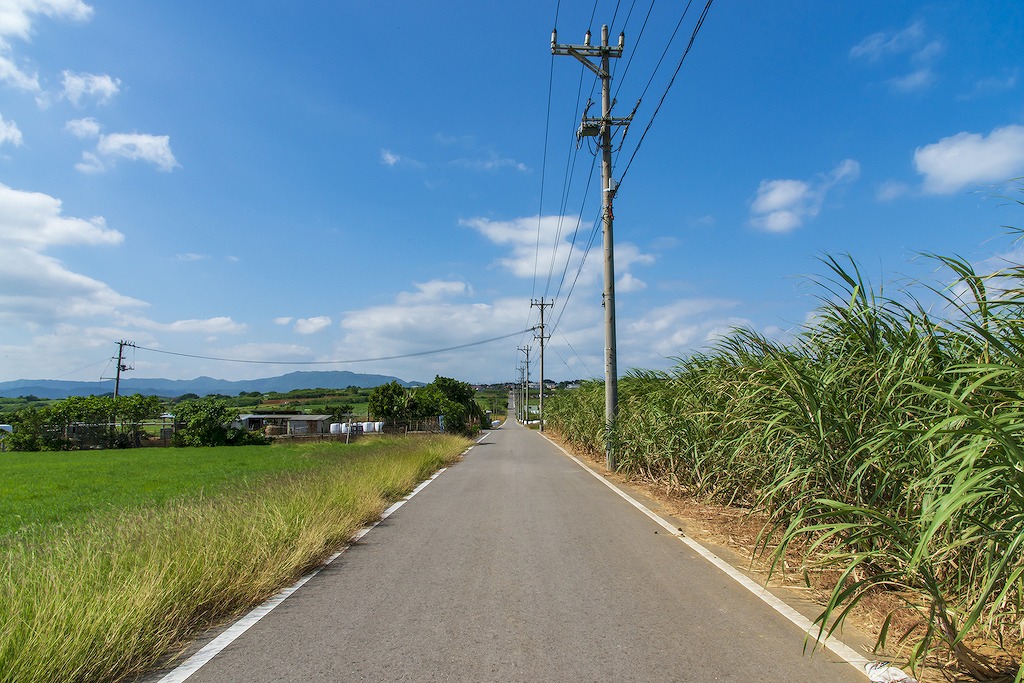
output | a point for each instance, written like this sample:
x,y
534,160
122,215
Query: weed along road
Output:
x,y
517,564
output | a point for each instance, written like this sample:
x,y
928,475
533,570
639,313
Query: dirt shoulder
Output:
x,y
733,534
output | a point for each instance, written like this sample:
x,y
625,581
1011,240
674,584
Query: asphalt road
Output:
x,y
517,565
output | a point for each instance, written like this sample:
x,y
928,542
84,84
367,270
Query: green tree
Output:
x,y
204,422
387,402
131,412
451,399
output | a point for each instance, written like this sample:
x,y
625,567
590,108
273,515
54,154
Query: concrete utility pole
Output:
x,y
542,305
121,366
526,385
602,129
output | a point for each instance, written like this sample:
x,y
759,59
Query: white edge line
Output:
x,y
847,653
184,670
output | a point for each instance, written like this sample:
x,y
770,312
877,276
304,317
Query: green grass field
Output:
x,y
66,487
118,558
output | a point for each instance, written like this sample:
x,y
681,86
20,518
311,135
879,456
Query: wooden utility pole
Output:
x,y
542,305
602,129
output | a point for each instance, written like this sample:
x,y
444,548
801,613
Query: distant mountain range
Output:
x,y
340,379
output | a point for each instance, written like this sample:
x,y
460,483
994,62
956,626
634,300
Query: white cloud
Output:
x,y
9,132
16,15
265,352
155,149
390,159
964,159
16,18
784,205
90,163
100,86
628,283
34,220
523,235
915,80
492,163
669,330
216,325
83,128
284,320
36,289
191,256
993,84
891,190
312,325
913,42
13,76
435,290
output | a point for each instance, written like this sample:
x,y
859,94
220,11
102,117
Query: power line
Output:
x,y
336,362
693,37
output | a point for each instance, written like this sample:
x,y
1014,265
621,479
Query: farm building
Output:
x,y
296,425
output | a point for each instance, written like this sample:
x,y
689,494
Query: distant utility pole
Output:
x,y
519,394
526,386
542,305
121,366
602,129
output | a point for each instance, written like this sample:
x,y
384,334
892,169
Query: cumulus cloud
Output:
x,y
83,128
16,19
155,149
554,233
628,283
312,325
101,87
284,320
37,289
784,205
9,133
35,221
955,162
667,331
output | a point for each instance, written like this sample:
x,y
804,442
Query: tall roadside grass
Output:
x,y
883,443
108,599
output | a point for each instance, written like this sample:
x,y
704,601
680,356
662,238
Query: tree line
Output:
x,y
451,400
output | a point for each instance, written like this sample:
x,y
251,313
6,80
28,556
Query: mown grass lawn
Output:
x,y
117,558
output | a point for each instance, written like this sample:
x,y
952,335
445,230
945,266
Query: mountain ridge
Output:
x,y
170,388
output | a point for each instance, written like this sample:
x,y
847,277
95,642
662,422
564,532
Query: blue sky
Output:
x,y
324,180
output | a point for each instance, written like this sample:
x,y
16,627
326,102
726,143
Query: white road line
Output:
x,y
847,653
184,670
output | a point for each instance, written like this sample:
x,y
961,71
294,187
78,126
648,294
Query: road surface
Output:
x,y
518,565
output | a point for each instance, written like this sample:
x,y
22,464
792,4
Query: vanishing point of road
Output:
x,y
517,564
